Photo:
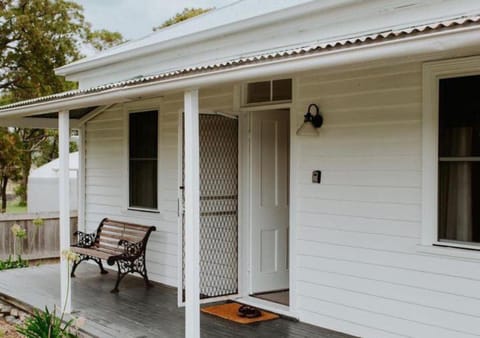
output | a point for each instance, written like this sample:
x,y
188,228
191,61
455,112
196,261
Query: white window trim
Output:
x,y
127,209
433,72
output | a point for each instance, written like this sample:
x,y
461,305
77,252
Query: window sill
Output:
x,y
143,213
450,251
152,211
270,104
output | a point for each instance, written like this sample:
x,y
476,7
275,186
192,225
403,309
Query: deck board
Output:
x,y
135,311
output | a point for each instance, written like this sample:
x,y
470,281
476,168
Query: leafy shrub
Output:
x,y
13,264
46,325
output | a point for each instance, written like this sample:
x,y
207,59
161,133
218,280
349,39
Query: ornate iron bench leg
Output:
x,y
120,275
86,258
148,284
102,270
74,267
140,266
77,263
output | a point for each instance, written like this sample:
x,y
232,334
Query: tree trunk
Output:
x,y
3,188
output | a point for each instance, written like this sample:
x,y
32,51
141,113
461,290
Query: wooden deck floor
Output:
x,y
135,311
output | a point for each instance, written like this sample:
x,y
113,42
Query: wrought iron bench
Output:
x,y
115,242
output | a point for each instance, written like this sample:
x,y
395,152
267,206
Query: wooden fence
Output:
x,y
41,241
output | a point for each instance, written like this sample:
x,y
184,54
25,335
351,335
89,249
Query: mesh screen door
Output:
x,y
218,207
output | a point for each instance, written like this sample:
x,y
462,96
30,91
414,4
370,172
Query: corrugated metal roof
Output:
x,y
265,57
225,15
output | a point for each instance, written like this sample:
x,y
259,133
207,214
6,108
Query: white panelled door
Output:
x,y
270,200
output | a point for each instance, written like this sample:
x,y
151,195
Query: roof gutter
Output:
x,y
407,49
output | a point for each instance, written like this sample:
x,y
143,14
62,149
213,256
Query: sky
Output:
x,y
136,18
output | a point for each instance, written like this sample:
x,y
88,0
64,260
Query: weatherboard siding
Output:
x,y
359,269
106,176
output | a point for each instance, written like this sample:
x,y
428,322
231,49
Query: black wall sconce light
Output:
x,y
311,122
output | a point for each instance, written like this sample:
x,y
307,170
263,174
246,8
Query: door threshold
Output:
x,y
280,309
213,300
281,297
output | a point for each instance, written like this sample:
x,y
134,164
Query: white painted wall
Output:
x,y
359,266
107,177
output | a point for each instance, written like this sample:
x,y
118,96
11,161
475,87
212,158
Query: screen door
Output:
x,y
218,207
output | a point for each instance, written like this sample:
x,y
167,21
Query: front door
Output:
x,y
269,200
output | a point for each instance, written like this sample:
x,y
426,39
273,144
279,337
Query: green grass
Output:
x,y
14,208
13,264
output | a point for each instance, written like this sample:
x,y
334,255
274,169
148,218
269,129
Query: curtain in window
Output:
x,y
455,188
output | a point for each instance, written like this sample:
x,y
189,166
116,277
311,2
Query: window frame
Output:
x,y
127,207
244,92
433,72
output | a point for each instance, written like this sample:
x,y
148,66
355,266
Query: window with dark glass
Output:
x,y
143,160
258,92
269,91
282,90
459,160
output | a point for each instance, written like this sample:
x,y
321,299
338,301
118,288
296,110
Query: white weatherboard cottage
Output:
x,y
372,223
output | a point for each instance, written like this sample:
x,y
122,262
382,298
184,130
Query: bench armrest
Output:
x,y
131,249
84,239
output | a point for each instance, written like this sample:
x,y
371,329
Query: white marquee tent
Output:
x,y
43,186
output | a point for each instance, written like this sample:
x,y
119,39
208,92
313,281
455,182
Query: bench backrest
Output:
x,y
110,233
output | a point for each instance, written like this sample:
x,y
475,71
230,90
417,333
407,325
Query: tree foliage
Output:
x,y
30,143
103,39
37,36
9,162
186,14
48,150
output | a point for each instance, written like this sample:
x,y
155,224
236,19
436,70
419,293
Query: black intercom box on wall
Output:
x,y
316,176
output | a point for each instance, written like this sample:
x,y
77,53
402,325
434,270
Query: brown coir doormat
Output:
x,y
229,311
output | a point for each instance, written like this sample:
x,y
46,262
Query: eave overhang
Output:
x,y
408,42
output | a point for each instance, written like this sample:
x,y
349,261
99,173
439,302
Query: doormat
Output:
x,y
229,311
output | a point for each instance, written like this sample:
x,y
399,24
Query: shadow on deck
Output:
x,y
135,311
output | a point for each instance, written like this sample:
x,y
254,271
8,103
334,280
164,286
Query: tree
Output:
x,y
186,14
49,149
29,142
103,39
9,163
37,36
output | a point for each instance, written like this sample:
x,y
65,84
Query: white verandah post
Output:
x,y
64,204
192,215
81,180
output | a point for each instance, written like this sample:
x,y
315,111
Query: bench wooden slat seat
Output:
x,y
92,252
118,243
